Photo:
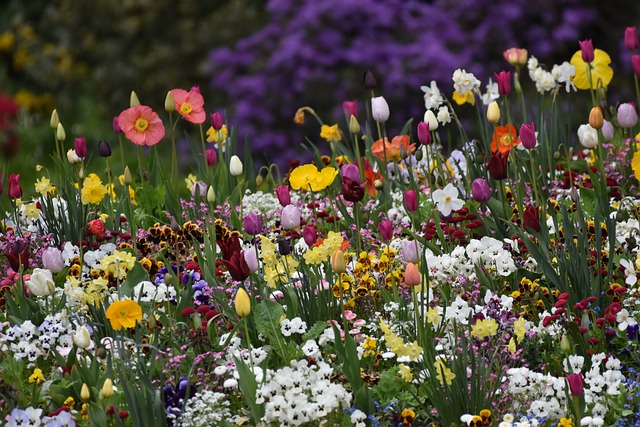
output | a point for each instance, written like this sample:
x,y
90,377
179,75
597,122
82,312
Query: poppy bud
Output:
x,y
104,150
127,179
169,103
370,82
586,46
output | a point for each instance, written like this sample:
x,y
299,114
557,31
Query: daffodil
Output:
x,y
92,190
601,72
635,165
330,133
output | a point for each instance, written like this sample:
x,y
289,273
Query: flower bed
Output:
x,y
442,276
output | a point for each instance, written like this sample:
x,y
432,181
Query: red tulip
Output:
x,y
15,191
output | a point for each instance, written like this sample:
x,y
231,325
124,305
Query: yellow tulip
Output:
x,y
242,303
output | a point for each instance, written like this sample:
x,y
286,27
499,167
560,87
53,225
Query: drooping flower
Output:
x,y
504,139
124,314
601,72
394,149
307,177
190,104
330,133
141,125
446,199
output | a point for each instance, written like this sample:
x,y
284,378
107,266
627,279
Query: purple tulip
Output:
x,y
351,171
386,229
310,235
411,250
290,218
631,38
607,130
576,384
216,121
480,190
528,135
351,108
503,78
52,260
211,156
80,146
251,259
411,200
627,116
424,135
283,195
252,224
586,46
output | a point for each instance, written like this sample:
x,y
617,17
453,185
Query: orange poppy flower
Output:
x,y
371,178
392,149
504,139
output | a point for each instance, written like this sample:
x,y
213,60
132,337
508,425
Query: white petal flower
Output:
x,y
447,199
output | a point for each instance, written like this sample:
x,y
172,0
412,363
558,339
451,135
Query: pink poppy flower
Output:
x,y
190,104
141,125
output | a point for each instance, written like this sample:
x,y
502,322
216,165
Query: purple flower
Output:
x,y
424,136
386,229
631,38
310,235
351,171
284,197
503,78
211,157
80,146
528,135
252,224
216,121
627,116
351,108
411,200
586,46
290,218
480,190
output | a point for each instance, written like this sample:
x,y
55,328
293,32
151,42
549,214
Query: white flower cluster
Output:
x,y
205,408
464,82
28,341
265,205
146,291
301,393
546,81
547,395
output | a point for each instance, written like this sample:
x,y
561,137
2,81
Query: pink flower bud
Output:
x,y
631,38
251,259
528,135
80,146
386,229
351,108
283,195
52,260
411,200
424,135
576,384
411,250
586,46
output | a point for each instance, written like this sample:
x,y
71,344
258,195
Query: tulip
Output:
x,y
310,235
531,218
55,119
80,146
41,282
290,217
627,116
411,250
411,200
412,275
354,125
379,109
84,392
242,303
498,166
251,258
107,388
53,260
635,62
252,224
211,194
385,227
116,125
503,78
424,135
216,121
211,156
528,135
72,157
350,171
284,197
596,120
431,119
235,166
480,190
493,112
607,130
565,345
61,135
199,188
127,179
631,38
169,103
576,384
516,56
586,46
15,191
81,337
338,264
352,191
369,80
587,136
104,150
284,247
351,108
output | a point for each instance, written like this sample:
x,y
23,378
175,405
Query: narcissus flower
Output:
x,y
307,177
124,314
601,72
92,190
330,133
141,125
190,104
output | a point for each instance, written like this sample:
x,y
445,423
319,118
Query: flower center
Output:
x,y
447,199
185,108
122,314
141,124
506,140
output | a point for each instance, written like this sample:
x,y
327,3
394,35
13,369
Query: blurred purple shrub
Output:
x,y
314,53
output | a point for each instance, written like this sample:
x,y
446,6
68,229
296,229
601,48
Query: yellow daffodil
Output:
x,y
405,373
484,328
44,187
635,165
307,177
124,314
92,190
601,72
443,373
330,133
520,328
464,98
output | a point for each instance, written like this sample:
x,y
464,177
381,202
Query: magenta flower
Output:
x,y
211,157
411,200
80,146
528,135
480,190
503,78
631,38
586,46
284,197
386,229
216,121
635,62
351,108
576,384
424,135
310,235
15,191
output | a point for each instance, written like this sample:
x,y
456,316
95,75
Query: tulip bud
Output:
x,y
587,136
586,46
503,78
424,135
310,235
211,195
565,345
411,200
354,126
284,247
55,120
15,190
72,157
378,184
498,166
84,392
631,38
251,259
235,166
81,337
528,135
576,384
351,108
351,171
379,109
607,130
480,190
411,250
531,218
127,179
242,303
635,63
627,116
53,260
211,156
216,121
284,197
493,112
80,146
338,265
596,120
412,276
107,388
516,56
60,133
169,103
290,217
369,80
385,227
133,99
104,150
252,224
431,119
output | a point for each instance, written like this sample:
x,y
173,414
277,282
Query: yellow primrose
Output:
x,y
601,72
